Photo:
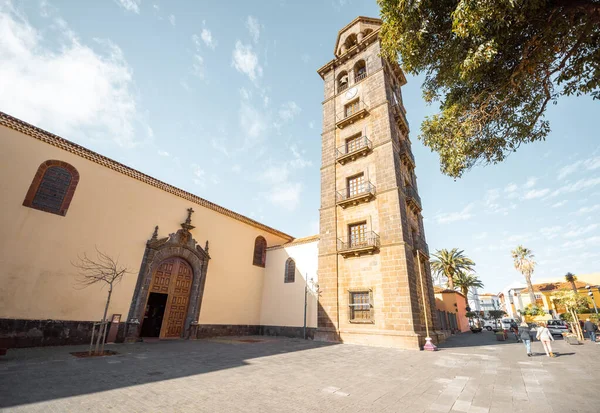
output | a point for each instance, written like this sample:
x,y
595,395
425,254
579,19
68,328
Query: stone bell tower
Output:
x,y
374,273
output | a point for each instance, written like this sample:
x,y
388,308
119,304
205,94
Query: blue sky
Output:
x,y
222,99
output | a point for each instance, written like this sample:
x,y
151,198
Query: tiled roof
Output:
x,y
554,286
297,241
61,143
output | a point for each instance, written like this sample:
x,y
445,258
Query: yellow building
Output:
x,y
545,294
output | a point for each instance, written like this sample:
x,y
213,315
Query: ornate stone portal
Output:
x,y
182,245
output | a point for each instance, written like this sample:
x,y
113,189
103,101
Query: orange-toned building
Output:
x,y
451,309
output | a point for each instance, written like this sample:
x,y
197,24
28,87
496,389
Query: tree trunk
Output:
x,y
465,291
530,288
103,325
573,286
451,281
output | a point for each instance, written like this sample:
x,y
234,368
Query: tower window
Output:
x,y
351,108
361,307
356,185
357,234
52,188
290,271
360,71
342,81
354,143
260,252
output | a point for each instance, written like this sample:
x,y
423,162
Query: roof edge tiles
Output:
x,y
61,143
297,241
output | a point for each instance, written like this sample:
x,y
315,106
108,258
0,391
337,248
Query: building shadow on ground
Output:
x,y
40,374
485,338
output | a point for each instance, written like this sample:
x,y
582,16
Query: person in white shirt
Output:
x,y
544,335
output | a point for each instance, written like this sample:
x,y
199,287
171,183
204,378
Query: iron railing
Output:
x,y
360,76
350,110
363,189
405,149
342,87
369,239
399,111
412,193
354,146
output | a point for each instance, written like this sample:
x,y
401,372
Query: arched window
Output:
x,y
290,271
52,188
360,70
342,81
350,41
260,251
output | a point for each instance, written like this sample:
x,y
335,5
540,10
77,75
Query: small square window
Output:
x,y
361,306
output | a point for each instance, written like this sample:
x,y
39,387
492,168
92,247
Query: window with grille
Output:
x,y
354,143
358,234
260,251
361,306
351,108
52,188
356,185
290,271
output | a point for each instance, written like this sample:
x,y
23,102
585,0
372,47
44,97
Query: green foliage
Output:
x,y
472,314
465,281
496,314
451,263
571,300
494,66
566,317
532,310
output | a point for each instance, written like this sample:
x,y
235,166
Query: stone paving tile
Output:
x,y
471,373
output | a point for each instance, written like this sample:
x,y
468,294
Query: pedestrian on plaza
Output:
x,y
544,335
524,332
514,327
590,328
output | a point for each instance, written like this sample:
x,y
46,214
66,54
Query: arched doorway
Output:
x,y
168,299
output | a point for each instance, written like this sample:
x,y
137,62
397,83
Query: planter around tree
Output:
x,y
500,337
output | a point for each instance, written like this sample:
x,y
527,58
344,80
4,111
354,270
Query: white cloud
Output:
x,y
254,123
530,182
305,57
581,184
577,232
253,27
219,146
448,217
164,153
289,111
198,66
200,175
246,61
130,5
245,93
582,243
481,236
207,38
511,188
558,204
587,210
172,19
551,232
286,196
311,124
236,168
71,90
589,164
536,193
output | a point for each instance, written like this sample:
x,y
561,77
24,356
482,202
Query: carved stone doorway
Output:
x,y
174,266
172,278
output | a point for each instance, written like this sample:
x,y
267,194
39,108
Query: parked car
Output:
x,y
557,327
506,322
492,325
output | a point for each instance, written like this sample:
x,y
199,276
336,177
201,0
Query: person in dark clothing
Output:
x,y
591,329
524,333
515,329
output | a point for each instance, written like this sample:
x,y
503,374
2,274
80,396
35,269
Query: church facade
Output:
x,y
196,269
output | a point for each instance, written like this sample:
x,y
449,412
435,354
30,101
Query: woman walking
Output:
x,y
544,335
524,333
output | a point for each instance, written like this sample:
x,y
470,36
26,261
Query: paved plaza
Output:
x,y
470,373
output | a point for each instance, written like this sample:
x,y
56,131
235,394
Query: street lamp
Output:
x,y
591,294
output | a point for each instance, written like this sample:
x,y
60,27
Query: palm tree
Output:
x,y
466,281
524,263
450,263
571,278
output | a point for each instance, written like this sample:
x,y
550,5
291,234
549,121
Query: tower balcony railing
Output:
x,y
352,150
412,197
368,243
342,87
365,193
421,246
400,115
360,76
351,113
406,152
